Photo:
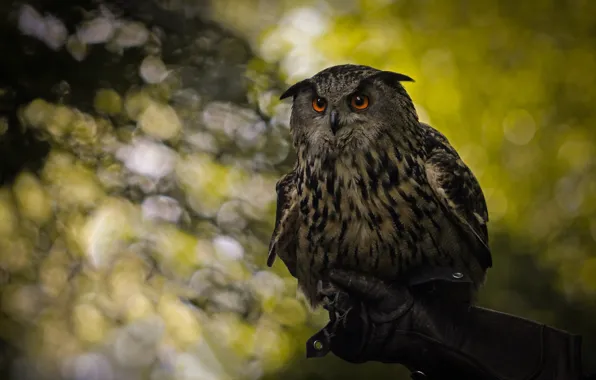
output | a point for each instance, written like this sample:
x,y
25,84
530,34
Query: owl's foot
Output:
x,y
327,293
335,301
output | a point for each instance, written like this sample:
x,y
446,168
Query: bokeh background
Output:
x,y
140,142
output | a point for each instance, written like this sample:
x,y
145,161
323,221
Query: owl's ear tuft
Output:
x,y
296,88
391,79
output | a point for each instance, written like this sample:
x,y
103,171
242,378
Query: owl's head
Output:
x,y
348,108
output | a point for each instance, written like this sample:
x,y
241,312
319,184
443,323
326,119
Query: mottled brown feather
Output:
x,y
283,242
454,184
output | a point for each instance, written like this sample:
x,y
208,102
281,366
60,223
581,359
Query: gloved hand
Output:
x,y
422,328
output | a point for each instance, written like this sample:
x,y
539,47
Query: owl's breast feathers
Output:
x,y
382,212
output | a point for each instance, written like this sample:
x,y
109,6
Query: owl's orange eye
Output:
x,y
319,104
359,102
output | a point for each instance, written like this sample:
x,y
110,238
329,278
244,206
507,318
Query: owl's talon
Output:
x,y
342,317
330,302
327,289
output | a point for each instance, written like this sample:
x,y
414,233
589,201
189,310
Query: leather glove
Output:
x,y
434,338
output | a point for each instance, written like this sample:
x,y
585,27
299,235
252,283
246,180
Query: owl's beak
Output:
x,y
334,121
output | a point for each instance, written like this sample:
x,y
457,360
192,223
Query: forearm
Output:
x,y
477,344
427,329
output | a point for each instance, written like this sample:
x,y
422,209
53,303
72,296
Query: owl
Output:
x,y
373,190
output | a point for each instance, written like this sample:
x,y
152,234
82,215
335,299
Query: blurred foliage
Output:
x,y
140,142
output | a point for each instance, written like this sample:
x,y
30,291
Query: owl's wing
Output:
x,y
457,189
283,240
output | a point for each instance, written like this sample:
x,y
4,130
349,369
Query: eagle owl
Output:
x,y
373,189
